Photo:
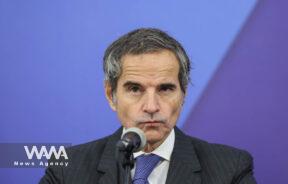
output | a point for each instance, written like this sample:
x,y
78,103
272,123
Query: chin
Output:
x,y
153,137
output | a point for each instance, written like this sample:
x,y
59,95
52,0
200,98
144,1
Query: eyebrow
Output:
x,y
167,85
131,83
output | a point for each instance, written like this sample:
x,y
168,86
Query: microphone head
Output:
x,y
139,133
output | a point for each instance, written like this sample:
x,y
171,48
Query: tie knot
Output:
x,y
144,166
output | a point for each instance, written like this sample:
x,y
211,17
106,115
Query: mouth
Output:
x,y
152,123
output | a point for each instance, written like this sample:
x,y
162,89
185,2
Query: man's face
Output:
x,y
148,94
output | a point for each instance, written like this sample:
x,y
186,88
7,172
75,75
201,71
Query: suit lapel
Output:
x,y
108,165
184,166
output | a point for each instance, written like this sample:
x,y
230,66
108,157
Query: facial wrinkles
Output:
x,y
150,73
174,103
149,65
147,73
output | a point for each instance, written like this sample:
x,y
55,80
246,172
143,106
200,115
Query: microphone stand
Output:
x,y
126,160
128,163
133,140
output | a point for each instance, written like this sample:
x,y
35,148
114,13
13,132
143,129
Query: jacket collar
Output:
x,y
184,165
108,164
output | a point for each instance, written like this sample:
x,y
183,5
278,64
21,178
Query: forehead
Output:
x,y
162,65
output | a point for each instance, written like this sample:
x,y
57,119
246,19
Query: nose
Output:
x,y
151,104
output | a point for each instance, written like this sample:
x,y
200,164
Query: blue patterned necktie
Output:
x,y
144,166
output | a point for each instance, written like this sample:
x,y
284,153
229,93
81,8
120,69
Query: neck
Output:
x,y
151,146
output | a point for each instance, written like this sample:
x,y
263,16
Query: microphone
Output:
x,y
132,140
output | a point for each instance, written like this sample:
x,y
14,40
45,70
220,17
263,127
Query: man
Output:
x,y
146,77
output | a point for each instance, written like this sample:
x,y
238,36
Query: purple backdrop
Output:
x,y
51,80
245,104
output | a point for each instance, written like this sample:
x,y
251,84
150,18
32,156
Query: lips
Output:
x,y
152,123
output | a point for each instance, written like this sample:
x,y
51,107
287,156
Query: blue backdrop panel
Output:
x,y
51,79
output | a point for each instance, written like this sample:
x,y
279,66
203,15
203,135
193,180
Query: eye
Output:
x,y
134,88
167,87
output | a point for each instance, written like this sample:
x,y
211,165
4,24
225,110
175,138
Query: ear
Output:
x,y
109,95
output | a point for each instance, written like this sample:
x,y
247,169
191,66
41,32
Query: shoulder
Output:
x,y
81,159
92,152
220,159
216,158
206,149
94,147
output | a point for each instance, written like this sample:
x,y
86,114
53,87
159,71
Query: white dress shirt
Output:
x,y
159,173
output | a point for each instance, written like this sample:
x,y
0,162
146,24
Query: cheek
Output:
x,y
124,117
174,105
174,108
126,113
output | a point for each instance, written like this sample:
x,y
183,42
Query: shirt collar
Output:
x,y
164,150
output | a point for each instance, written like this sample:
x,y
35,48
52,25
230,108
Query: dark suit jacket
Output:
x,y
193,161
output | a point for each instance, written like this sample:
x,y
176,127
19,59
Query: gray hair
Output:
x,y
141,41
